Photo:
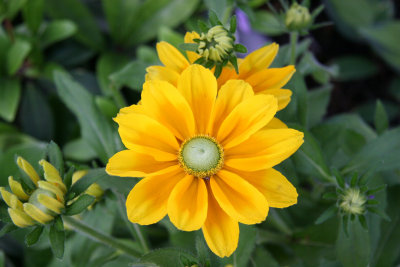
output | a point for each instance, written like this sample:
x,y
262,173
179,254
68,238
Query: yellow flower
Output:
x,y
41,205
253,69
207,159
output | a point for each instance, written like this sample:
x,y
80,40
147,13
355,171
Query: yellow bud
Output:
x,y
297,17
11,200
93,190
28,169
52,188
17,189
37,214
50,203
52,175
20,218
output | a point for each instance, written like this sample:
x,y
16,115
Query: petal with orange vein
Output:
x,y
264,149
164,103
278,191
187,204
130,163
171,57
145,135
258,60
238,198
199,86
220,231
147,202
229,96
246,118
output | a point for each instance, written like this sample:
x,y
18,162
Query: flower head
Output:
x,y
298,17
353,201
206,156
40,205
216,44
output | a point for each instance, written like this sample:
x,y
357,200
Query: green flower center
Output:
x,y
216,44
201,156
353,201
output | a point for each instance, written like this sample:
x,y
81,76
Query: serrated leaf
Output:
x,y
327,214
55,157
79,205
16,55
91,177
57,239
95,129
33,236
381,118
10,93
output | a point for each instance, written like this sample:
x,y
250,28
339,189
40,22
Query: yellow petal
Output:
x,y
228,73
187,204
28,169
246,118
229,96
146,135
220,231
270,78
199,86
132,109
171,57
129,163
11,200
36,214
78,175
20,218
282,95
189,36
275,123
164,103
162,73
278,191
50,203
52,175
52,188
264,149
258,60
147,201
238,198
17,189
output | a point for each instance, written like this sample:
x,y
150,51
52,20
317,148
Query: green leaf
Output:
x,y
79,205
106,65
268,23
55,156
219,7
10,92
95,129
91,177
13,7
353,250
380,213
132,75
300,91
382,153
33,236
79,150
16,55
74,10
317,103
106,106
33,14
353,68
212,16
240,48
9,227
169,257
381,118
202,252
170,36
384,38
57,239
68,177
156,13
56,31
327,214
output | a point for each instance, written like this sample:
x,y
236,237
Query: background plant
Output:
x,y
67,66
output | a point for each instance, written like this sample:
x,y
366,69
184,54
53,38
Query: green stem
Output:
x,y
133,227
97,236
293,43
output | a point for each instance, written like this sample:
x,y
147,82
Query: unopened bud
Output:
x,y
297,17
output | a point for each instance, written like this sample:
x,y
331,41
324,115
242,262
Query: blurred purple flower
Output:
x,y
245,34
371,197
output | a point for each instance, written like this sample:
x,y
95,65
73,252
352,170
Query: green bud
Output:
x,y
216,44
297,17
353,201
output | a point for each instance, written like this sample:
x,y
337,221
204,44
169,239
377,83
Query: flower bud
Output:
x,y
353,201
216,44
297,17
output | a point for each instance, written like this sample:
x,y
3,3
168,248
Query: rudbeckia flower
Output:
x,y
253,69
206,157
